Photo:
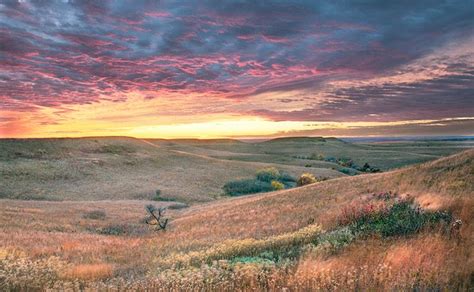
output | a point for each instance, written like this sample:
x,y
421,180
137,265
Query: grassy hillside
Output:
x,y
298,151
119,168
187,170
292,238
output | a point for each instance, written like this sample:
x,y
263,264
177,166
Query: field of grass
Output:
x,y
290,239
296,151
120,168
191,171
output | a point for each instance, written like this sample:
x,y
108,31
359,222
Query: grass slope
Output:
x,y
232,228
118,168
287,150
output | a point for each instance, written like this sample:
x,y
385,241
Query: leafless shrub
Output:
x,y
156,217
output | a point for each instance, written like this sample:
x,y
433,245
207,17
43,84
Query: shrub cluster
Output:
x,y
306,179
268,174
349,165
276,185
286,244
403,217
246,186
266,180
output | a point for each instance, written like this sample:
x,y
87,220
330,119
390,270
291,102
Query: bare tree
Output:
x,y
155,217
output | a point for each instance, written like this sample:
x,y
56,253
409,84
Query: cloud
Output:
x,y
56,54
443,127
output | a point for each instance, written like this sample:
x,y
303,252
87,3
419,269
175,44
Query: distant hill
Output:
x,y
120,168
190,170
298,139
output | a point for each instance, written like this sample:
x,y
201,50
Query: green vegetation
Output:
x,y
246,186
268,174
349,167
276,185
400,218
285,245
348,171
266,180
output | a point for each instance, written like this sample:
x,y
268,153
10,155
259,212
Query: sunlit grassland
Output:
x,y
248,242
119,168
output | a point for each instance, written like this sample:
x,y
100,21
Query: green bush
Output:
x,y
268,174
247,186
266,180
286,178
402,218
348,171
306,179
276,185
337,238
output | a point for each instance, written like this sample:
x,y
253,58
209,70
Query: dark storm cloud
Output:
x,y
54,53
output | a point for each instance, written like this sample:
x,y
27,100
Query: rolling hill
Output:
x,y
289,239
302,150
120,168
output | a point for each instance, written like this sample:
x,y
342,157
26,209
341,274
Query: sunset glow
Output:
x,y
235,69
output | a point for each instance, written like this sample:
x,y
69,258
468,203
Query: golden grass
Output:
x,y
88,272
33,231
243,247
80,169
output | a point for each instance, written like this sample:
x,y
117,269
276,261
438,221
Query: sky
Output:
x,y
214,69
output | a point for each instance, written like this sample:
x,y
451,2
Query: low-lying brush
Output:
x,y
268,174
399,218
285,244
246,186
306,179
266,180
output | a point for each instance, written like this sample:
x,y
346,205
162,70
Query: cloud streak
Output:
x,y
281,60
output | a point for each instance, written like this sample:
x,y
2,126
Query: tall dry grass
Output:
x,y
52,244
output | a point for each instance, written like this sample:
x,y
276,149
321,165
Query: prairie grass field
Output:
x,y
72,216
